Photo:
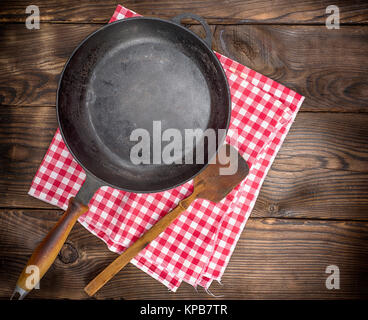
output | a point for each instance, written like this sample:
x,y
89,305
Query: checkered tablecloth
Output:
x,y
197,247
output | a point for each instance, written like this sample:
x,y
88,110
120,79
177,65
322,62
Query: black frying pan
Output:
x,y
123,77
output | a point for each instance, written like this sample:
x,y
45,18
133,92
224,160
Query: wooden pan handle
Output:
x,y
120,262
47,251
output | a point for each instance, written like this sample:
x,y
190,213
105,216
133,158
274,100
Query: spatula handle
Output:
x,y
120,262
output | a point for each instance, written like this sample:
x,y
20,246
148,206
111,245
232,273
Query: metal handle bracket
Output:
x,y
206,27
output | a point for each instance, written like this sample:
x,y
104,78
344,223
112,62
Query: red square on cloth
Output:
x,y
197,247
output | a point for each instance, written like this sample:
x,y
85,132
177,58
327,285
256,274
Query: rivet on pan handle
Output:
x,y
206,27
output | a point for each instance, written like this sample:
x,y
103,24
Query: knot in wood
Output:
x,y
273,208
68,253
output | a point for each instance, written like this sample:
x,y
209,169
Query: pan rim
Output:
x,y
101,181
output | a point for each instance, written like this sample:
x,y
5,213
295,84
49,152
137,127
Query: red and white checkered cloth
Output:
x,y
197,247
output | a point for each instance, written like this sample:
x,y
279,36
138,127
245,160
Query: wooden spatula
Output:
x,y
214,183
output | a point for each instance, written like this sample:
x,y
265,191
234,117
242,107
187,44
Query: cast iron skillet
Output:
x,y
122,77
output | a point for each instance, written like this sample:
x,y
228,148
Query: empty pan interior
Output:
x,y
124,77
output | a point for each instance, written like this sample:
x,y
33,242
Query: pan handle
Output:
x,y
46,252
206,27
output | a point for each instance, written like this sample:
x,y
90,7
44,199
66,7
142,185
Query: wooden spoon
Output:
x,y
211,184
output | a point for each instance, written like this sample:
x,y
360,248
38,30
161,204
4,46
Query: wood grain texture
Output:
x,y
30,76
222,11
321,171
25,134
274,259
327,66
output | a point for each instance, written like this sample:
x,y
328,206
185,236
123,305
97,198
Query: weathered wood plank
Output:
x,y
274,259
25,134
30,76
327,66
222,12
321,170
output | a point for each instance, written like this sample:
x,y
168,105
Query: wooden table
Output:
x,y
312,211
